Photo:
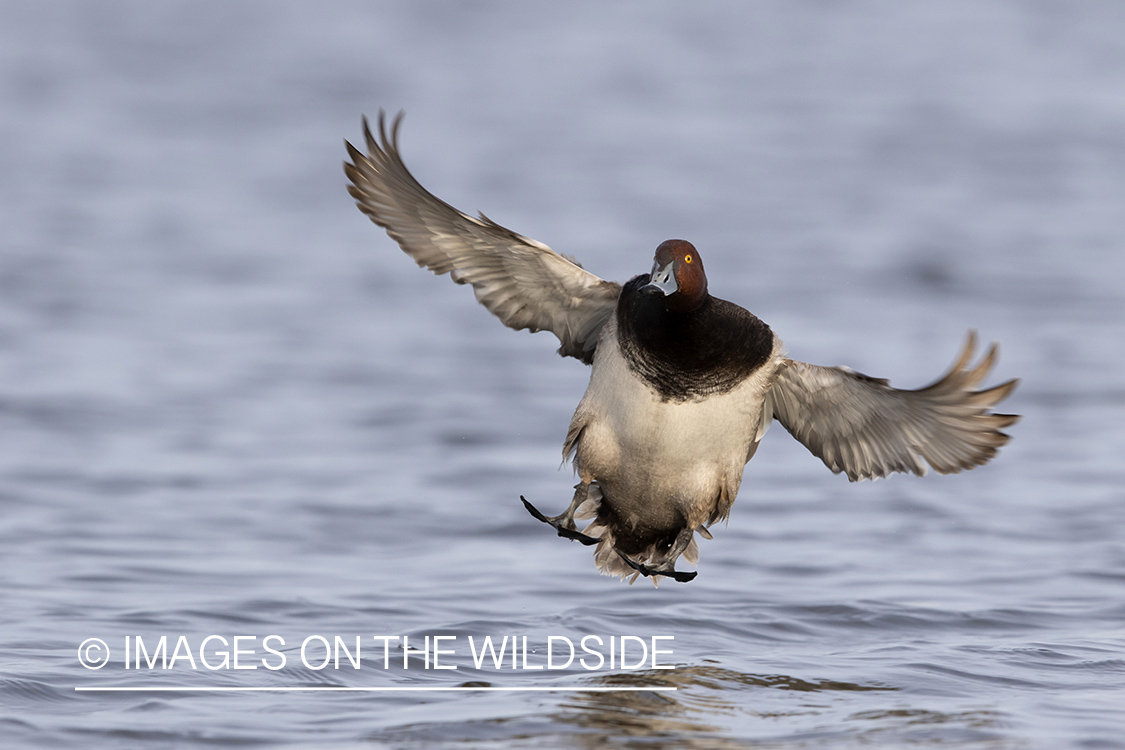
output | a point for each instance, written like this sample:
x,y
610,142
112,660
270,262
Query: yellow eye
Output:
x,y
687,259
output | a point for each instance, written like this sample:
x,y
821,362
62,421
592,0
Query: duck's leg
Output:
x,y
666,566
564,522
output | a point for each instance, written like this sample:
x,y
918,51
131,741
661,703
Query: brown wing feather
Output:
x,y
865,428
521,281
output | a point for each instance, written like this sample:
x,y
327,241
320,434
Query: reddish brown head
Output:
x,y
677,272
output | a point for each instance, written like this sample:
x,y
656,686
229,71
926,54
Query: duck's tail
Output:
x,y
650,550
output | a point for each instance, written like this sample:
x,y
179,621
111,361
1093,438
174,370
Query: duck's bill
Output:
x,y
662,280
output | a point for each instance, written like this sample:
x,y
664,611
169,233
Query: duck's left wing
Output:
x,y
865,428
521,281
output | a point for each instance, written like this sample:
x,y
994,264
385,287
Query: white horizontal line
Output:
x,y
329,689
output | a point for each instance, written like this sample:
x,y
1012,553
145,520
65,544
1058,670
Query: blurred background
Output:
x,y
229,403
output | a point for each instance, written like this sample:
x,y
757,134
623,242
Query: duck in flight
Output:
x,y
682,384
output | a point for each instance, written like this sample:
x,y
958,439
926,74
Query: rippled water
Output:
x,y
229,405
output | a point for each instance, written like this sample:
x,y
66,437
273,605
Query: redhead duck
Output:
x,y
683,385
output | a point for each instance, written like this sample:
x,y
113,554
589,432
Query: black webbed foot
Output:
x,y
557,524
533,510
576,536
679,575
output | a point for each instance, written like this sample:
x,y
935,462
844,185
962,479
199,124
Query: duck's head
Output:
x,y
677,273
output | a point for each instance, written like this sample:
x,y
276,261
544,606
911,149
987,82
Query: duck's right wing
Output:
x,y
521,281
865,428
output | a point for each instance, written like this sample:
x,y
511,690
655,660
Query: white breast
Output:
x,y
663,459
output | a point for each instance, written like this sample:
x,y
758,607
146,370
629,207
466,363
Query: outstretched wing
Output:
x,y
523,282
862,427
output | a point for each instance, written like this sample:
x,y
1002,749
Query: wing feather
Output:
x,y
863,427
521,281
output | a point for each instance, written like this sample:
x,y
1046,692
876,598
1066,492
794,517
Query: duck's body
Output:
x,y
683,385
661,430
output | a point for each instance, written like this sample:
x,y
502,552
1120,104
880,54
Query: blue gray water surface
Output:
x,y
230,406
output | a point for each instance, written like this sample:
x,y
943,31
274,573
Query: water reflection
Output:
x,y
719,678
916,725
698,714
702,690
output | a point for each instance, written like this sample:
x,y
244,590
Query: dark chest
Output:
x,y
691,355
